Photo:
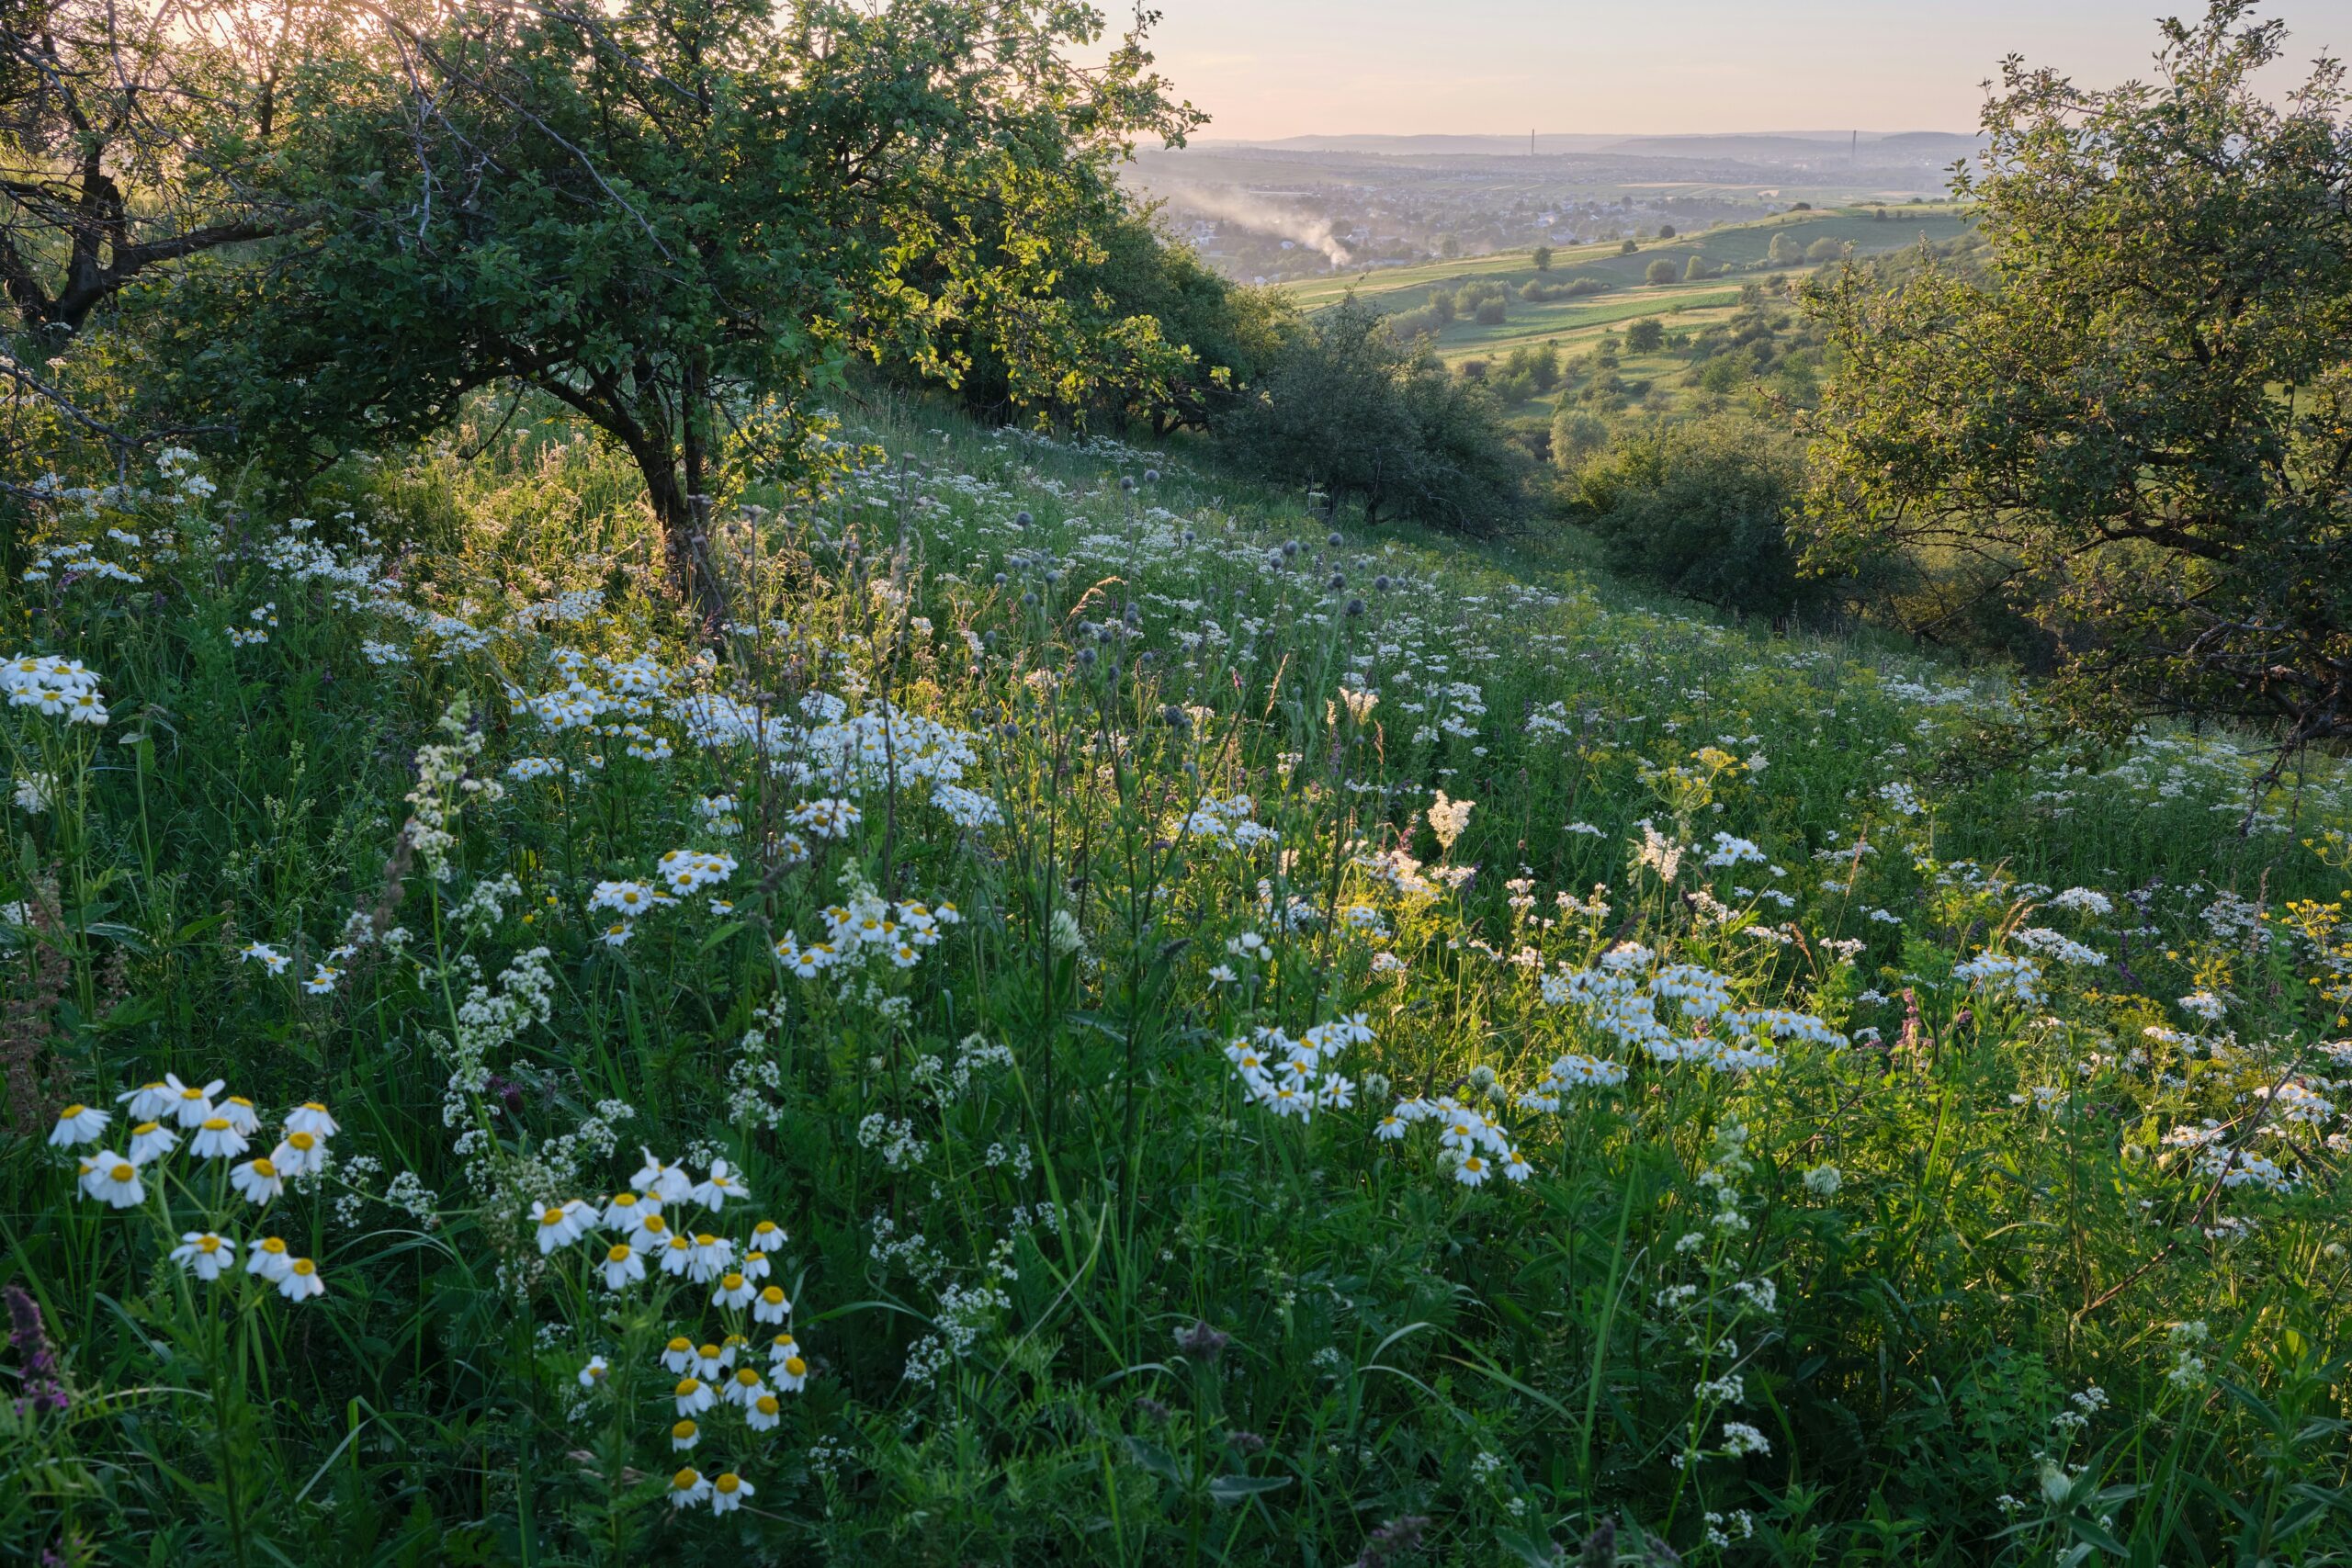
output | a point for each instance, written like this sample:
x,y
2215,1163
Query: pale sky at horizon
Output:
x,y
1265,69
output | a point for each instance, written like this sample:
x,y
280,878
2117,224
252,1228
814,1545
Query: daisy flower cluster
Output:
x,y
725,1388
62,688
1292,1078
1227,821
1622,996
222,1132
866,928
1474,1144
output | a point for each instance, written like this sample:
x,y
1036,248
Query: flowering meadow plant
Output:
x,y
1092,1017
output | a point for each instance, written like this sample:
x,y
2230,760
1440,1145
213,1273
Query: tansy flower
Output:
x,y
745,1387
150,1101
622,1266
684,1436
733,1291
110,1177
766,1414
240,1113
687,1488
266,1255
215,1139
729,1491
678,1355
772,1305
77,1125
593,1374
693,1397
152,1141
190,1105
299,1154
301,1281
717,1187
311,1117
204,1254
259,1181
791,1373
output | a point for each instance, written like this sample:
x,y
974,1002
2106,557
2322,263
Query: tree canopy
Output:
x,y
2143,410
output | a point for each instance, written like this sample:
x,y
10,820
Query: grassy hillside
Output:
x,y
1228,1042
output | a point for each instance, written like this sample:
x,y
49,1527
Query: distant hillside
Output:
x,y
1876,149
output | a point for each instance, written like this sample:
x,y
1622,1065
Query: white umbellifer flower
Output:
x,y
687,1488
1739,1437
77,1125
311,1117
205,1254
1823,1181
152,1141
729,1491
257,1180
190,1105
299,1154
300,1281
112,1179
622,1266
593,1374
215,1139
693,1396
772,1305
266,1257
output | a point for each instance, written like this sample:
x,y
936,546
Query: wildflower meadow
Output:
x,y
1094,1015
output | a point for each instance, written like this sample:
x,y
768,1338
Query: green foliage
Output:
x,y
1542,257
2147,405
1703,508
1349,409
1660,271
1646,336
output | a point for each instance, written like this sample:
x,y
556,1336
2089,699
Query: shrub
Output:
x,y
1660,271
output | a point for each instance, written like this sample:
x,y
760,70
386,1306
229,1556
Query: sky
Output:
x,y
1265,69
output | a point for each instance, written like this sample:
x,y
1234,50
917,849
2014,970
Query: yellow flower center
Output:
x,y
208,1243
772,1295
70,1111
304,1267
191,1094
768,1406
143,1129
795,1366
732,1283
617,1253
728,1482
272,1246
300,1142
264,1169
314,1105
684,1480
747,1377
551,1217
705,1240
683,1431
686,1386
653,1225
216,1123
625,1200
124,1172
682,1343
711,1352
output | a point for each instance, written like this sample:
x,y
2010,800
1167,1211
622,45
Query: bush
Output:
x,y
1646,336
1660,271
1354,411
1824,251
1698,271
1702,510
1489,313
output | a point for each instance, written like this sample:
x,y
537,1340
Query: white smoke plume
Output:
x,y
1254,212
